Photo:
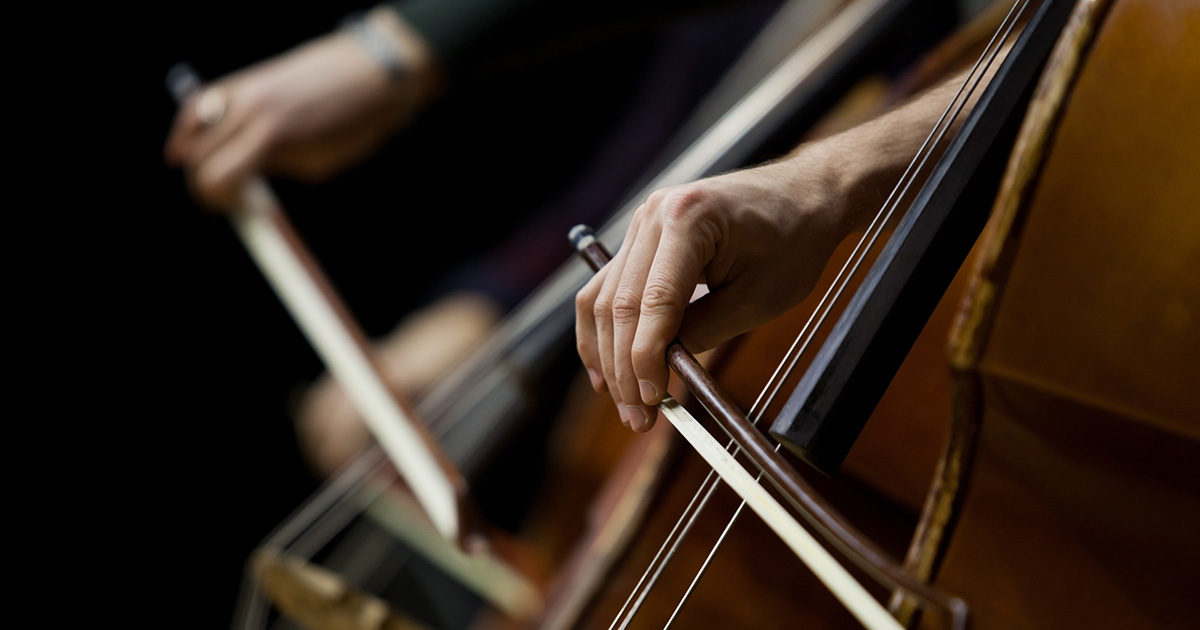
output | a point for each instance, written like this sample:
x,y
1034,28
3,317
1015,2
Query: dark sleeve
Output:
x,y
450,27
468,36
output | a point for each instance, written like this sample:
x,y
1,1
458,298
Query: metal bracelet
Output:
x,y
377,43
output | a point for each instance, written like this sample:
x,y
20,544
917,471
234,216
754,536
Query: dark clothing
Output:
x,y
468,36
472,38
689,58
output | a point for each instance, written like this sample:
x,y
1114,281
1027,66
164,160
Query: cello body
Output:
x,y
1075,350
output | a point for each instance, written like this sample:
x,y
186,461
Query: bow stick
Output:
x,y
834,528
313,303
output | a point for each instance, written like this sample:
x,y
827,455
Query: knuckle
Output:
x,y
583,300
645,354
602,306
657,298
678,206
626,306
587,295
640,214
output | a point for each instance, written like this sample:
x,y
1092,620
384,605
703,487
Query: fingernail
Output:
x,y
594,377
634,416
649,392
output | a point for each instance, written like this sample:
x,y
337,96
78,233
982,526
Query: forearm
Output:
x,y
863,164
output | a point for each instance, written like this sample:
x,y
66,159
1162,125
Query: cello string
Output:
x,y
708,558
974,84
875,228
655,569
870,236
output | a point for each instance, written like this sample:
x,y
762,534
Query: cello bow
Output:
x,y
297,279
787,481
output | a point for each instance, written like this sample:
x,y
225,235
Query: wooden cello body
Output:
x,y
1075,349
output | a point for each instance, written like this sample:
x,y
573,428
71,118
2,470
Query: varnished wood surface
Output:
x,y
1085,507
754,581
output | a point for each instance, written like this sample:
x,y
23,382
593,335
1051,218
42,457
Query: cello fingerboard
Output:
x,y
830,405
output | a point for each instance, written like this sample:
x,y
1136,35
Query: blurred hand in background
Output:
x,y
305,114
308,114
327,104
422,349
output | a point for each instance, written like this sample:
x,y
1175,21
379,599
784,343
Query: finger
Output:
x,y
677,268
602,311
718,317
585,331
316,158
627,302
212,138
218,180
184,130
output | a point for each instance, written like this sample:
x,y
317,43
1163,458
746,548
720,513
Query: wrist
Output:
x,y
856,177
398,51
824,187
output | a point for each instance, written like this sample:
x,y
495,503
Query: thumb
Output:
x,y
218,178
718,317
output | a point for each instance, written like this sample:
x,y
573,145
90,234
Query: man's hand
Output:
x,y
758,237
305,114
427,345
